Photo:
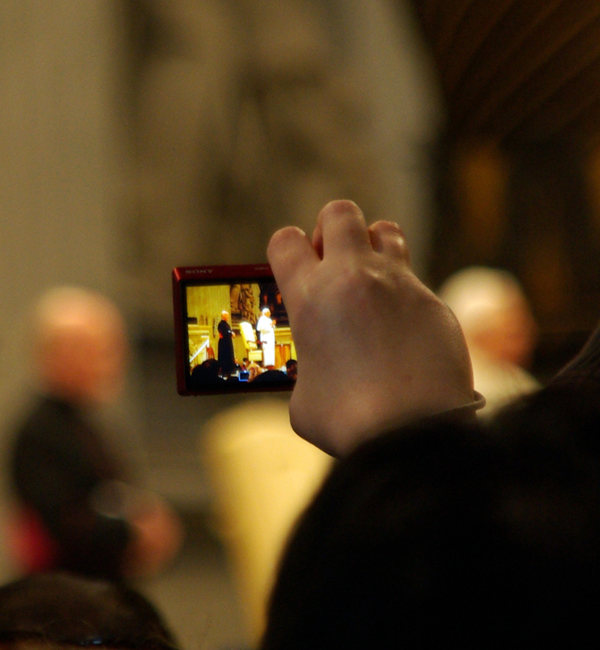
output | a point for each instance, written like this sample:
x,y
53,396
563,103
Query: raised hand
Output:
x,y
375,347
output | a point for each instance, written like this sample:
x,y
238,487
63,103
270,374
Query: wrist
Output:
x,y
353,419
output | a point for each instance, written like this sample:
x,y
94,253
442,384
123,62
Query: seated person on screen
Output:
x,y
291,369
432,530
76,510
253,369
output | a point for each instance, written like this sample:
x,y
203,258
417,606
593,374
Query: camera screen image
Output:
x,y
235,336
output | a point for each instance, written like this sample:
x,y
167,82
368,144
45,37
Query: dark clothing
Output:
x,y
225,354
448,533
57,464
272,375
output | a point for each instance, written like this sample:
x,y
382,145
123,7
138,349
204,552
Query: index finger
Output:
x,y
290,253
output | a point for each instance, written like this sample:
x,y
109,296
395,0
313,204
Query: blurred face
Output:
x,y
104,364
86,362
512,334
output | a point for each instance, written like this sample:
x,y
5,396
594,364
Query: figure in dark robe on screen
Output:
x,y
225,353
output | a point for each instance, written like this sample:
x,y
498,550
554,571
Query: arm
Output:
x,y
49,482
101,526
375,347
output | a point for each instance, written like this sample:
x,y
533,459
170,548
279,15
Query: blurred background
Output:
x,y
139,135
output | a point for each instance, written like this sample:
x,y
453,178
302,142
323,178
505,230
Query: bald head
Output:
x,y
493,312
80,345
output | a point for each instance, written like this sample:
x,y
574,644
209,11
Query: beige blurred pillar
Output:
x,y
263,475
59,161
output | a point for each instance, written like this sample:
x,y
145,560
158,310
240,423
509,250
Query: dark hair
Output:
x,y
445,533
582,372
207,373
65,609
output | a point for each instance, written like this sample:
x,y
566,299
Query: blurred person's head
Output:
x,y
225,316
61,610
494,313
443,534
291,368
80,345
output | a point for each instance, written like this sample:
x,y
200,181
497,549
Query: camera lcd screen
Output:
x,y
232,331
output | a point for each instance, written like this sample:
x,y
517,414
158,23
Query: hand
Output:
x,y
375,347
157,537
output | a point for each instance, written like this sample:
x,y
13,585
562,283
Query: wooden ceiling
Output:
x,y
517,70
